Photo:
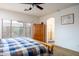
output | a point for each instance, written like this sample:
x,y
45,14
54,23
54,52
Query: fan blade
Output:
x,y
32,3
39,7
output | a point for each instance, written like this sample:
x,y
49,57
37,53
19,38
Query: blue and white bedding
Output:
x,y
21,46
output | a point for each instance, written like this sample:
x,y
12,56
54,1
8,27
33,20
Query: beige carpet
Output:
x,y
58,51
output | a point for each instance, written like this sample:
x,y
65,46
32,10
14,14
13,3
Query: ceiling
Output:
x,y
48,8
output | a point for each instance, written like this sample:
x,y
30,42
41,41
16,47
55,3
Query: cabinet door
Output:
x,y
39,32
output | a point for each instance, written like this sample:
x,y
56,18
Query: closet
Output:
x,y
39,31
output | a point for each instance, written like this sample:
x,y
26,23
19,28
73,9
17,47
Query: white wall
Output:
x,y
66,36
10,15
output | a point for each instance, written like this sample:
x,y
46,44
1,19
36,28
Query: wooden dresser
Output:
x,y
39,32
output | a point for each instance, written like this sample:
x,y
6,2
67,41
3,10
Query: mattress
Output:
x,y
21,46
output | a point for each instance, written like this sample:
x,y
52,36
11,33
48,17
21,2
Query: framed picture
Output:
x,y
67,19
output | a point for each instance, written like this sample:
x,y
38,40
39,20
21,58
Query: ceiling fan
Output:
x,y
32,5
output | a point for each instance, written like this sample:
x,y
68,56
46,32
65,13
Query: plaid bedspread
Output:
x,y
21,46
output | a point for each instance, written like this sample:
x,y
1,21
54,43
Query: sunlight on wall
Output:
x,y
50,28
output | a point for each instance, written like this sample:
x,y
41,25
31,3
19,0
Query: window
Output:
x,y
6,26
10,28
28,30
17,29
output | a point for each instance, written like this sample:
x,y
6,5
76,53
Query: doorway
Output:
x,y
50,29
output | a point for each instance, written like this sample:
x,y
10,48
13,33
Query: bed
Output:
x,y
22,46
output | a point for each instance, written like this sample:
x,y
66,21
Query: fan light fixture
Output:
x,y
32,5
30,8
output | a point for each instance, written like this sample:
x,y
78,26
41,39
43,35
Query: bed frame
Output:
x,y
49,46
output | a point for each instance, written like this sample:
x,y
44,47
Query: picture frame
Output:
x,y
67,19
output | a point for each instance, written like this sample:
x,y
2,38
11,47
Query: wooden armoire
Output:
x,y
39,32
